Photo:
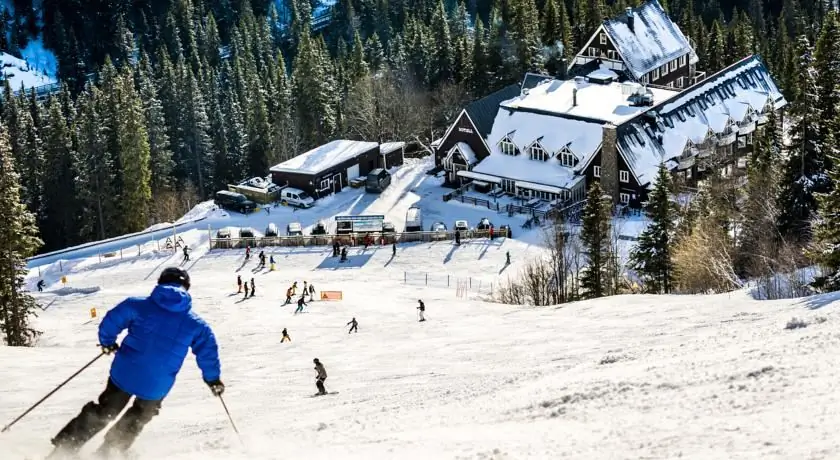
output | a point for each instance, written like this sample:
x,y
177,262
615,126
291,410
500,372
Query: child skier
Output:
x,y
245,284
247,252
321,377
253,287
354,326
422,309
311,292
40,285
239,284
186,254
285,336
145,366
271,261
394,249
262,260
289,295
294,288
305,288
301,304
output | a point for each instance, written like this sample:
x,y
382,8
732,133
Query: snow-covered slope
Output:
x,y
618,378
21,72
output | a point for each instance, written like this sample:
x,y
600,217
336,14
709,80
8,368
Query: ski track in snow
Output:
x,y
628,377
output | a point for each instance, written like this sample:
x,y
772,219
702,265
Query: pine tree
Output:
x,y
826,248
480,71
651,258
133,139
442,65
827,67
194,135
59,224
716,50
19,240
357,66
804,172
161,161
595,237
524,31
374,54
95,184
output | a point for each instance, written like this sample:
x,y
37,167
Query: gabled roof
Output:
x,y
483,111
709,106
653,41
325,157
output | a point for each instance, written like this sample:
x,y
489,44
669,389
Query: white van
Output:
x,y
294,197
413,220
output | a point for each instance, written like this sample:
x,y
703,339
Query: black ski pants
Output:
x,y
96,415
354,327
320,384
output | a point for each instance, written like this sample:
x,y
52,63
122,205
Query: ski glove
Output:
x,y
108,349
216,387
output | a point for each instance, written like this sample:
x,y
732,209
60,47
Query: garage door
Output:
x,y
353,172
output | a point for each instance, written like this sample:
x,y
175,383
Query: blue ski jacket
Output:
x,y
161,328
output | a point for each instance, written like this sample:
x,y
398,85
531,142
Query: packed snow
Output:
x,y
623,377
20,73
324,157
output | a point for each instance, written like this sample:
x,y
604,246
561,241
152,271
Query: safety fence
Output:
x,y
354,239
461,284
170,245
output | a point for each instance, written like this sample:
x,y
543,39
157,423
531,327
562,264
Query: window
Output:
x,y
611,54
325,184
593,51
624,176
603,38
683,60
673,65
644,79
624,197
596,171
680,83
664,70
537,152
567,158
655,75
507,147
688,173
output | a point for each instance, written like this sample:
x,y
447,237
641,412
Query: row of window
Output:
x,y
665,69
623,176
538,153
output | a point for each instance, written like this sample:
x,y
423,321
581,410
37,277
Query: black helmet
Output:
x,y
316,361
175,275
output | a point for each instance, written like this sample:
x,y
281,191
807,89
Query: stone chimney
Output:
x,y
609,162
630,19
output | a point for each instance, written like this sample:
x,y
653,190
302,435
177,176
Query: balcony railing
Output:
x,y
727,137
745,127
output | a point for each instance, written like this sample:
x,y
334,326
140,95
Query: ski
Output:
x,y
328,393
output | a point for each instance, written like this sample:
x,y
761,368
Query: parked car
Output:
x,y
233,201
388,227
246,232
294,229
293,197
271,230
484,224
319,229
506,230
223,233
438,227
377,180
462,226
413,220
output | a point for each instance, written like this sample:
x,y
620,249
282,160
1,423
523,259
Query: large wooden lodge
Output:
x,y
633,100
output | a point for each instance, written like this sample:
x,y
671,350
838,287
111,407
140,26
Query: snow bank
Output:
x,y
74,290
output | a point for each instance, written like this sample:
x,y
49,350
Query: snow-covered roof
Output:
x,y
706,108
553,133
478,176
389,147
654,40
466,152
522,168
595,101
603,73
324,157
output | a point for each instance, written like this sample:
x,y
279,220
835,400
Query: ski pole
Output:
x,y
6,428
231,420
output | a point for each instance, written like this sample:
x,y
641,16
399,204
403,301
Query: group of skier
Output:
x,y
240,285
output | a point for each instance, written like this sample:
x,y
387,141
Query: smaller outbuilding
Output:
x,y
329,168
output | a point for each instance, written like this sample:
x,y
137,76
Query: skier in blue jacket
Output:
x,y
161,329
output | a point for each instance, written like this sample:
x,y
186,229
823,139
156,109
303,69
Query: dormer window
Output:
x,y
507,147
567,158
537,152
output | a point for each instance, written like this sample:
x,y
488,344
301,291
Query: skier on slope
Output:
x,y
262,259
239,284
245,285
186,254
322,376
161,329
422,309
285,336
40,285
354,325
289,294
253,287
247,252
311,292
301,304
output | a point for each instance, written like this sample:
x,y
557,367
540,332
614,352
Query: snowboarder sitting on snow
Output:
x,y
285,336
186,254
354,326
161,329
40,285
301,304
322,375
422,309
